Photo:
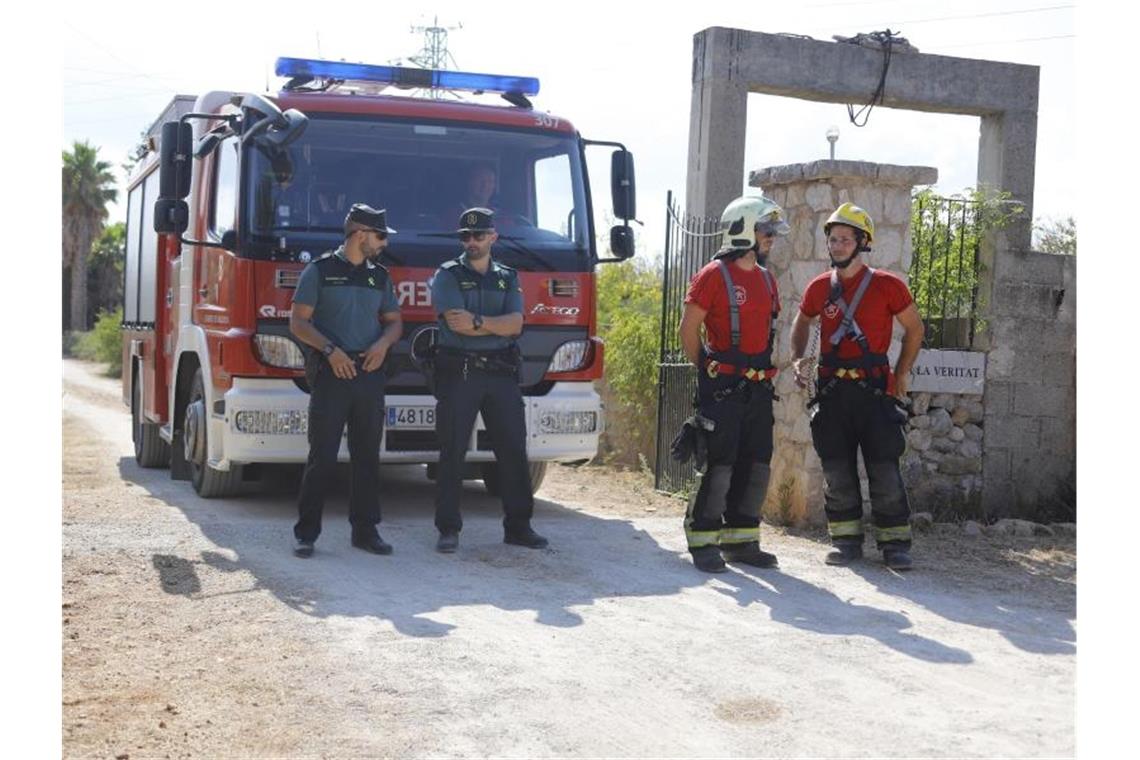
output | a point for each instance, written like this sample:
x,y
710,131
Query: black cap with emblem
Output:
x,y
365,215
476,220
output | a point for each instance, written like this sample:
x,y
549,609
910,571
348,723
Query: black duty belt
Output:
x,y
503,362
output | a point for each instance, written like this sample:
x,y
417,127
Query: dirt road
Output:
x,y
191,631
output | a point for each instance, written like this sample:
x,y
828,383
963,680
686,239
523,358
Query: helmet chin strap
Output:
x,y
843,264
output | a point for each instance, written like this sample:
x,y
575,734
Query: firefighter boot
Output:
x,y
707,559
748,553
844,554
897,558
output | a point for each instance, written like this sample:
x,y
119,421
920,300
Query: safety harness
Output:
x,y
870,370
756,368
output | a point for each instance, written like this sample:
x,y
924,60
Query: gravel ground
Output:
x,y
189,630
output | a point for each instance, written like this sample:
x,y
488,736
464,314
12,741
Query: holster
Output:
x,y
314,360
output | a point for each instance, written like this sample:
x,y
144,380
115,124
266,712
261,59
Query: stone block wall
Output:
x,y
1030,425
942,466
809,193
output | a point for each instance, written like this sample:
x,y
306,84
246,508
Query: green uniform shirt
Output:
x,y
456,285
347,300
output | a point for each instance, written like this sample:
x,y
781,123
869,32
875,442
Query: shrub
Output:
x,y
104,343
629,321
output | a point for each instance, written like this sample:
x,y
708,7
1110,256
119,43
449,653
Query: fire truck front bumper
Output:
x,y
268,421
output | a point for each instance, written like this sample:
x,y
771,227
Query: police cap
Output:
x,y
366,216
476,220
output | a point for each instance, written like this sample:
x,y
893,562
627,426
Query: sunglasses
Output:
x,y
465,236
379,234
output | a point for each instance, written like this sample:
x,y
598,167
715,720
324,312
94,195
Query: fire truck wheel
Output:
x,y
208,482
491,476
150,449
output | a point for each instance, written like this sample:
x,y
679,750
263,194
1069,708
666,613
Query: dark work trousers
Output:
x,y
726,507
333,403
499,399
850,418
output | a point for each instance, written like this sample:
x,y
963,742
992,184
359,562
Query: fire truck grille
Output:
x,y
287,278
564,288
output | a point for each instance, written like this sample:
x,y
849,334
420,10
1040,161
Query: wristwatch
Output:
x,y
328,349
477,321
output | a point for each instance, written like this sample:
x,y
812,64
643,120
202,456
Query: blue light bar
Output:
x,y
405,77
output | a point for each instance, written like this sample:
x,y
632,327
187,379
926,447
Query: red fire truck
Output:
x,y
240,191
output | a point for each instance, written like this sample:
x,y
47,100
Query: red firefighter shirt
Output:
x,y
886,296
754,304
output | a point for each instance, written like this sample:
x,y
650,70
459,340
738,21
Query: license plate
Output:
x,y
411,417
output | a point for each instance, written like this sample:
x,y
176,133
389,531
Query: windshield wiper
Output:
x,y
516,246
386,254
513,245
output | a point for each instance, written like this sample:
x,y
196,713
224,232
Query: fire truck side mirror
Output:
x,y
622,185
171,215
621,241
174,161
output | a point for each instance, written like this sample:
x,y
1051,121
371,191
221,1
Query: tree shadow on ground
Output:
x,y
590,559
1026,604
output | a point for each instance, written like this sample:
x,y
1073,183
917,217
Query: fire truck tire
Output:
x,y
208,482
150,449
491,476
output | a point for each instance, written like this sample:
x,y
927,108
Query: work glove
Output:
x,y
691,441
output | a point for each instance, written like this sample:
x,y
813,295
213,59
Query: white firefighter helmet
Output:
x,y
744,216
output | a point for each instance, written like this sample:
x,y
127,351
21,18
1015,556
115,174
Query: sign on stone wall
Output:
x,y
937,371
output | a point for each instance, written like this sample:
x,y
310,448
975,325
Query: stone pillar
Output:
x,y
809,193
717,120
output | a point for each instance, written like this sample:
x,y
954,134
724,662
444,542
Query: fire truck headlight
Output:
x,y
278,351
568,423
570,356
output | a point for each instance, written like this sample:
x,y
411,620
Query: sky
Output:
x,y
614,72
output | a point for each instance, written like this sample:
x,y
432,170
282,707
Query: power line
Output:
x,y
982,15
898,24
1007,42
149,94
111,53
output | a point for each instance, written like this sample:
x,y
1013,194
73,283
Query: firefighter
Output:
x,y
736,300
345,311
859,403
477,368
479,187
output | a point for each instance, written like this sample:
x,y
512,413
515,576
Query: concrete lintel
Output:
x,y
836,72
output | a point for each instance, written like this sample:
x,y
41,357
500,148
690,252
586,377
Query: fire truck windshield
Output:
x,y
425,175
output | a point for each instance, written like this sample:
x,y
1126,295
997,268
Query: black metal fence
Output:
x,y
946,239
690,243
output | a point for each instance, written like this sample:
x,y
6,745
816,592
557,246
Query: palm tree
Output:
x,y
88,186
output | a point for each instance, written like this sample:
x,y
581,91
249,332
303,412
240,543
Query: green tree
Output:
x,y
947,235
88,186
1056,236
105,270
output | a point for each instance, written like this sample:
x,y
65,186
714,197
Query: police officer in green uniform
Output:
x,y
345,310
476,369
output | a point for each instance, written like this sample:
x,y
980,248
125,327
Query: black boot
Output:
x,y
707,559
897,558
748,553
844,554
525,537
